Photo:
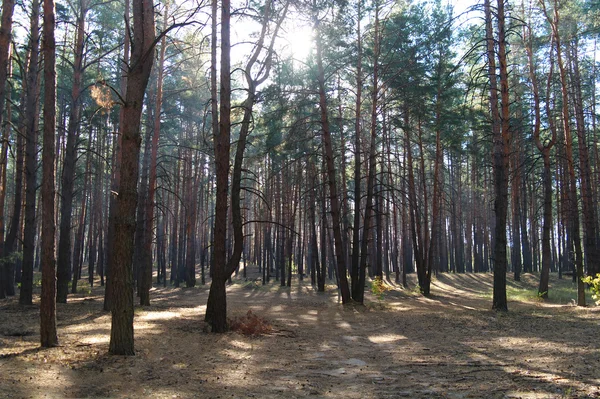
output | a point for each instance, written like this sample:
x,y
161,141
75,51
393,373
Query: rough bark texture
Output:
x,y
501,139
216,308
116,178
48,334
121,276
223,268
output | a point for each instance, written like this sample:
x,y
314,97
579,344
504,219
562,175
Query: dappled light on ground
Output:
x,y
450,345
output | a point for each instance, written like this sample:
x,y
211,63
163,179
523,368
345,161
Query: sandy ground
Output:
x,y
448,346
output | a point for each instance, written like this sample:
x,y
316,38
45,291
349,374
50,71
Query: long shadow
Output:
x,y
441,347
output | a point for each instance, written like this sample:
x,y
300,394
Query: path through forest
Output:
x,y
448,346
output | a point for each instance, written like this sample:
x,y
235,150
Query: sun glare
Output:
x,y
298,41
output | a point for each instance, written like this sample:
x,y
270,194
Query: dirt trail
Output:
x,y
447,346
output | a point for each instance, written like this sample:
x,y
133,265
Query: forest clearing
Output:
x,y
450,345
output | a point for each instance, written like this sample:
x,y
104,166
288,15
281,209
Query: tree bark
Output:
x,y
501,139
216,308
48,335
121,276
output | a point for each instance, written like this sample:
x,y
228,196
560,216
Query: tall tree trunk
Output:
x,y
121,276
359,292
146,266
117,156
5,41
48,334
545,151
354,271
68,175
331,174
592,257
216,308
572,192
501,139
31,126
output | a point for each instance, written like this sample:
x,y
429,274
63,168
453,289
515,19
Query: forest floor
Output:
x,y
450,345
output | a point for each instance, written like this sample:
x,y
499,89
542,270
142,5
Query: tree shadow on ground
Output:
x,y
450,345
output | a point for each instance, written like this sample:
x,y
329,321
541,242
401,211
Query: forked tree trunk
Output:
x,y
216,310
121,276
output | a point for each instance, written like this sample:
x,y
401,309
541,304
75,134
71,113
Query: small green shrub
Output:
x,y
594,283
379,288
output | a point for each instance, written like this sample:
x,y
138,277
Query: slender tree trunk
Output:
x,y
48,333
359,297
216,308
592,257
31,126
5,42
68,175
354,271
501,139
329,159
572,192
545,151
146,266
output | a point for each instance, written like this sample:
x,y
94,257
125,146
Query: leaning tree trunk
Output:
x,y
121,276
